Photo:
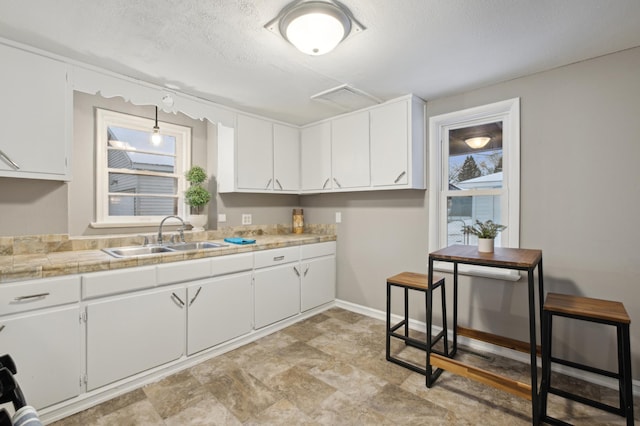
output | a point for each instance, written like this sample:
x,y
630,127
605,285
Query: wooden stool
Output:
x,y
418,282
593,310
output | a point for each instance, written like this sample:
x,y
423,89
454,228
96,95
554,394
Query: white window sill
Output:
x,y
479,271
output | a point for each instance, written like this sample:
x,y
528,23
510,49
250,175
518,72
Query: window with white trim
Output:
x,y
138,181
474,174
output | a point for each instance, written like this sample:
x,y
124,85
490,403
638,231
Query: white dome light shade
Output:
x,y
478,142
315,28
315,33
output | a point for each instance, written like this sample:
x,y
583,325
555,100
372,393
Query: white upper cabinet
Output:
x,y
378,148
286,158
315,157
254,153
35,116
259,156
397,145
350,151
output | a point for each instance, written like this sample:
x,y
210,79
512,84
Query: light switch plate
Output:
x,y
246,219
338,217
222,217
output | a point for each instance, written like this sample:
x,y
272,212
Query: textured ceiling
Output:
x,y
219,49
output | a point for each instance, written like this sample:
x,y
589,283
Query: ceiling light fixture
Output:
x,y
156,137
478,142
315,27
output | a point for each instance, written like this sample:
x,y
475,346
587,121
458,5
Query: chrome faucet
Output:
x,y
181,230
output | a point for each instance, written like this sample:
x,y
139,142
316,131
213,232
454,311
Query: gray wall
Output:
x,y
30,206
580,198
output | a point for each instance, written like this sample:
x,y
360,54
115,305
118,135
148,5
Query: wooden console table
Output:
x,y
504,258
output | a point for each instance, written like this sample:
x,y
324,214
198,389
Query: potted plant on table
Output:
x,y
486,233
197,197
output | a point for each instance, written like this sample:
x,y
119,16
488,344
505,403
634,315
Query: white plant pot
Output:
x,y
198,221
485,245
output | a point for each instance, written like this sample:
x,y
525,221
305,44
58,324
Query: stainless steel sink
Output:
x,y
155,249
136,251
200,245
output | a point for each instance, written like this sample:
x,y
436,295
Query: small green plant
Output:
x,y
196,196
487,229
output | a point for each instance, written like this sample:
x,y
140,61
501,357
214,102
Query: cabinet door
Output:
x,y
390,144
255,153
45,345
286,158
350,151
219,310
318,285
34,116
315,157
131,334
276,293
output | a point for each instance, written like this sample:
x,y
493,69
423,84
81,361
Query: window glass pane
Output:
x,y
141,184
140,161
475,157
122,205
465,211
139,140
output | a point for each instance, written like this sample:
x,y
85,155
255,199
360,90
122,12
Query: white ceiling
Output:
x,y
219,49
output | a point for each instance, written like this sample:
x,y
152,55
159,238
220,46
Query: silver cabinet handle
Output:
x,y
278,182
399,177
31,296
325,183
9,160
278,258
337,183
268,183
306,270
195,296
295,269
175,297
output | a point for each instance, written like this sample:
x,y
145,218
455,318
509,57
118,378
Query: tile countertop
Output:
x,y
76,258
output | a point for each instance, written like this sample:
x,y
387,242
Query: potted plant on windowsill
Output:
x,y
486,233
197,197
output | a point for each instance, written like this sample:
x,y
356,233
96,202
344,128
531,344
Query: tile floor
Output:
x,y
331,370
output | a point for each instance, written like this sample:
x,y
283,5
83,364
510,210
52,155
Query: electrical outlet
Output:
x,y
246,219
338,217
222,217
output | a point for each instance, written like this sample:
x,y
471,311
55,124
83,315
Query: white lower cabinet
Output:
x,y
317,274
276,285
318,283
133,333
219,310
45,345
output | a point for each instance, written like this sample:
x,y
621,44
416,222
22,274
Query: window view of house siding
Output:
x,y
142,180
473,168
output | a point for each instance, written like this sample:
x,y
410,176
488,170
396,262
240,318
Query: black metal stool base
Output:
x,y
417,282
597,311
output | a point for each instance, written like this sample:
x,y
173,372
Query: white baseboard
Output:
x,y
489,348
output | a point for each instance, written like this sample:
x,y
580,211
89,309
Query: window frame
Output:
x,y
508,112
106,118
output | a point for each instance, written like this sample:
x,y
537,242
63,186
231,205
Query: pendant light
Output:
x,y
478,142
315,27
156,137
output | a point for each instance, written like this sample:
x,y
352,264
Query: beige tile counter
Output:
x,y
43,256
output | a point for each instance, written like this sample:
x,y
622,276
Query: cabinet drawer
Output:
x,y
316,250
184,271
114,282
223,265
276,256
36,294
